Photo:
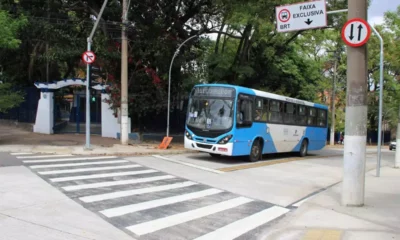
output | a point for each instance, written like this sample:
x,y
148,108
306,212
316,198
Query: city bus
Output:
x,y
229,120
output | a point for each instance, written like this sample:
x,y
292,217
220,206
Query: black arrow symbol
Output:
x,y
351,32
308,21
360,27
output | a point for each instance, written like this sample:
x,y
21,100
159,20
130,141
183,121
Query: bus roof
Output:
x,y
259,93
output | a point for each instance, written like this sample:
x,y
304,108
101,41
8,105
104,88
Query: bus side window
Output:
x,y
258,110
276,111
301,115
244,111
266,113
321,118
311,121
289,114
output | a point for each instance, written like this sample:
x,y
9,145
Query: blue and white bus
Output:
x,y
237,121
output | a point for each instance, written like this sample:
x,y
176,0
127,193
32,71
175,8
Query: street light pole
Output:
x,y
333,118
89,45
169,78
397,158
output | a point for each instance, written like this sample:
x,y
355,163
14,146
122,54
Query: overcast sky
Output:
x,y
378,8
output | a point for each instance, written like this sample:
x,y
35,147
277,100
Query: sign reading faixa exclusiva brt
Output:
x,y
301,16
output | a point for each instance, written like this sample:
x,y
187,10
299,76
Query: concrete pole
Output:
x,y
353,186
397,159
124,77
333,120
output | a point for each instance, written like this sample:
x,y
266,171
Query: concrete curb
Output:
x,y
95,151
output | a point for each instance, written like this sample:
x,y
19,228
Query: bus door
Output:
x,y
244,132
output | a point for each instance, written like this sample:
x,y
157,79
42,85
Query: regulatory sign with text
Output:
x,y
301,16
356,32
88,57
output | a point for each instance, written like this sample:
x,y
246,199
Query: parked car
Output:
x,y
392,145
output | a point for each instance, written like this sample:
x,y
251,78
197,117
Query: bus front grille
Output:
x,y
204,146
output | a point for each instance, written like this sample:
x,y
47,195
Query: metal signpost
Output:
x,y
301,16
89,56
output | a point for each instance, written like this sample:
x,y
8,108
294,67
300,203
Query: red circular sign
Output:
x,y
88,57
284,15
356,32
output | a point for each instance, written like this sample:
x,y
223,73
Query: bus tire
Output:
x,y
304,148
255,151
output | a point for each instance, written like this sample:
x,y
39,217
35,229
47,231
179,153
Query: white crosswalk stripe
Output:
x,y
76,164
118,211
240,227
116,183
101,175
119,194
21,153
147,202
69,159
89,169
161,223
45,156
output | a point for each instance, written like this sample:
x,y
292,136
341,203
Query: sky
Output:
x,y
378,8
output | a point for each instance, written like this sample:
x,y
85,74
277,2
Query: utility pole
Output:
x,y
124,77
353,186
47,43
333,118
397,158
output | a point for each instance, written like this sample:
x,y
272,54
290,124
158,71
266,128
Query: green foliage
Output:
x,y
9,28
8,98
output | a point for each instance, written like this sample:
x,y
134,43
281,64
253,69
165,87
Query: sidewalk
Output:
x,y
322,217
17,140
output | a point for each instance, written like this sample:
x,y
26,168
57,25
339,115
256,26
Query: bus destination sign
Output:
x,y
214,92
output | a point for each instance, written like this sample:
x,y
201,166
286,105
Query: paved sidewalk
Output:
x,y
17,140
32,209
322,217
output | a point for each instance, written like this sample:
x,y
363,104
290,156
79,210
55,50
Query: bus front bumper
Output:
x,y
223,149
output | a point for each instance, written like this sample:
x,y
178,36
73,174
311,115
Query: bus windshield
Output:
x,y
210,114
211,108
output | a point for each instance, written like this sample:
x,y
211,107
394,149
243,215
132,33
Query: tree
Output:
x,y
9,28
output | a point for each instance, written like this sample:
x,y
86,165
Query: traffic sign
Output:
x,y
356,32
88,57
301,16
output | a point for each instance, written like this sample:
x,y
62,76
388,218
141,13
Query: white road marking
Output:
x,y
301,202
113,195
88,169
162,223
118,211
101,175
45,156
76,164
21,153
242,226
69,159
189,164
116,183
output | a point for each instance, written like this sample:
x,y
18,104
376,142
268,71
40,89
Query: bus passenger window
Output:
x,y
302,118
321,118
276,112
266,113
245,112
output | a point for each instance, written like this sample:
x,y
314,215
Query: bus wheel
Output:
x,y
255,152
304,148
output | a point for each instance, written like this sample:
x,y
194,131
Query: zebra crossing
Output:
x,y
150,204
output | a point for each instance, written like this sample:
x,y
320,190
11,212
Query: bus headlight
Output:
x,y
187,134
225,139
